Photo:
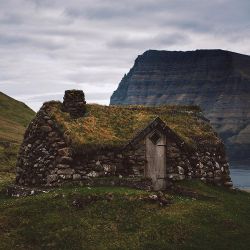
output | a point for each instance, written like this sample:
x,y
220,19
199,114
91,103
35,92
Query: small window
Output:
x,y
155,137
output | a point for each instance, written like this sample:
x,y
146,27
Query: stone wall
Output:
x,y
208,164
45,157
43,152
74,103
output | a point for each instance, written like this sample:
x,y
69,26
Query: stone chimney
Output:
x,y
74,103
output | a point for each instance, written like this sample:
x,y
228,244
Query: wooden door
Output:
x,y
156,159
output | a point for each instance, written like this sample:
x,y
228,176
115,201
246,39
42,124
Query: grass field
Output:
x,y
14,117
50,221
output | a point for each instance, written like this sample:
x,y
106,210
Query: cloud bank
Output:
x,y
47,46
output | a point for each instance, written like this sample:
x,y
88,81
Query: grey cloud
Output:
x,y
17,40
48,46
148,42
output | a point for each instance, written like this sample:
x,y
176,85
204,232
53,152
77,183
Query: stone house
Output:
x,y
143,147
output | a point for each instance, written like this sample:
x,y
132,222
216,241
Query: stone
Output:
x,y
62,166
66,171
217,165
46,129
52,134
210,174
65,176
217,178
52,178
93,174
228,184
50,122
217,172
64,151
76,177
176,177
19,170
203,179
181,170
65,159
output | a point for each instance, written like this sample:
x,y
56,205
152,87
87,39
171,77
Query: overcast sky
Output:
x,y
47,46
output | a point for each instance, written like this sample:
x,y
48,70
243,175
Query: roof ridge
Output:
x,y
147,129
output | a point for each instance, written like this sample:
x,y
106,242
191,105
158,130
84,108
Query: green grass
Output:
x,y
14,110
49,221
116,125
14,117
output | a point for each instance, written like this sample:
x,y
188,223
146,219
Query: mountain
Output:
x,y
216,80
14,117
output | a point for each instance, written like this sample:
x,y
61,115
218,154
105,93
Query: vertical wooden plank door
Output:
x,y
156,159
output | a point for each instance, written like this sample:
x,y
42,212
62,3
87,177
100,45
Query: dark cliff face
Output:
x,y
216,80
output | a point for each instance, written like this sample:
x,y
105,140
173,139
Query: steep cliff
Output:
x,y
216,80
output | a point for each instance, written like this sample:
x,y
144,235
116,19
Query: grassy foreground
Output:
x,y
50,221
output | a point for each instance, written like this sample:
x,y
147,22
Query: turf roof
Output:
x,y
115,126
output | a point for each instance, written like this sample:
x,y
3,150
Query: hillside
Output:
x,y
199,217
14,117
216,80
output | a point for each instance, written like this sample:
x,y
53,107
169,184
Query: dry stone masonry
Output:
x,y
74,103
46,157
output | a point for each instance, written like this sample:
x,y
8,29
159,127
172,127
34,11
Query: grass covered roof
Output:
x,y
114,126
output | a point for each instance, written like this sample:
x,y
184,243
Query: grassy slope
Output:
x,y
49,221
14,117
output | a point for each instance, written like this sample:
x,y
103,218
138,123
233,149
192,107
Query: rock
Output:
x,y
181,170
46,129
52,134
217,172
176,177
153,197
228,184
160,198
62,166
93,174
65,160
217,179
50,122
210,174
217,165
52,178
66,171
64,151
76,177
19,170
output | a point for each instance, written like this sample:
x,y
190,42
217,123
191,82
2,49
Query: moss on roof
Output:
x,y
116,125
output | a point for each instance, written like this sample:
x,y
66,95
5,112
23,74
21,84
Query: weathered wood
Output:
x,y
156,161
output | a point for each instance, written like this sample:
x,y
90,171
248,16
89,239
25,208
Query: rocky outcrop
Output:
x,y
216,80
